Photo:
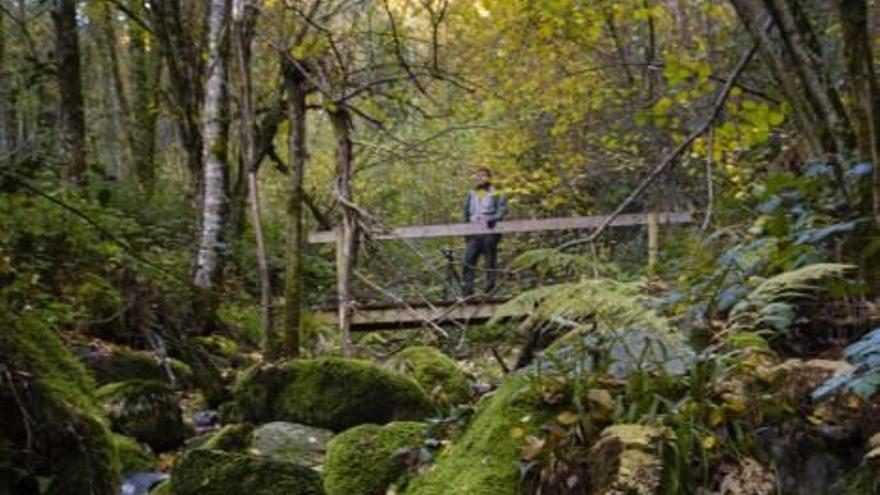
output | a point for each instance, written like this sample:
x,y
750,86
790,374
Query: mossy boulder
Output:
x,y
330,393
133,457
305,445
118,364
146,410
231,438
485,459
214,472
436,372
53,432
367,459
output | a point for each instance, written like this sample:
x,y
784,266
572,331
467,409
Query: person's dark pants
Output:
x,y
480,245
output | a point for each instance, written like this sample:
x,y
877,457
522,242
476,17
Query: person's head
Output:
x,y
482,176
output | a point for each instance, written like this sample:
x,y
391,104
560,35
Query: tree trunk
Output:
x,y
859,62
802,46
814,129
244,20
73,124
295,84
7,101
122,111
145,79
215,132
347,232
177,32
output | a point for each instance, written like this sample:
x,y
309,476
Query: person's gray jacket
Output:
x,y
495,211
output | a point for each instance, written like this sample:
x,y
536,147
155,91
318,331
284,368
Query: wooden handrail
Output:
x,y
513,226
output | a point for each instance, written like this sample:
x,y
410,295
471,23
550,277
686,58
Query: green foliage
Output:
x,y
608,303
367,459
122,363
864,380
330,393
772,305
438,375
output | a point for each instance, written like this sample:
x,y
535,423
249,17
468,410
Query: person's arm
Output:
x,y
466,211
500,212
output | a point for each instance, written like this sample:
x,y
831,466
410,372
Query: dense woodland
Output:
x,y
167,327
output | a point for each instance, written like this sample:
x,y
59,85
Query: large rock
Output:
x,y
54,438
366,459
305,445
434,371
625,460
146,410
214,472
485,459
111,364
329,393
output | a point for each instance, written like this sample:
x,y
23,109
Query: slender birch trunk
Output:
x,y
347,233
215,132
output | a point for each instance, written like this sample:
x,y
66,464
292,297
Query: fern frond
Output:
x,y
772,304
611,304
805,282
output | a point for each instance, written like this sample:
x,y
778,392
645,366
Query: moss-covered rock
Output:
x,y
305,445
52,428
231,438
331,393
366,459
146,410
214,472
436,372
485,459
133,457
117,364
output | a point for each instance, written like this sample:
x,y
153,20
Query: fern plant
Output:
x,y
607,303
772,306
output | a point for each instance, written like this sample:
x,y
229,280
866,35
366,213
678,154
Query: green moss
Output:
x,y
146,410
485,459
365,459
435,372
122,363
72,447
329,393
231,438
212,472
163,488
133,457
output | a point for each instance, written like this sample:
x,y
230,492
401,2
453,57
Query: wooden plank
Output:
x,y
512,226
397,317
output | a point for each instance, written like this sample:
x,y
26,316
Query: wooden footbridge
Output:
x,y
473,310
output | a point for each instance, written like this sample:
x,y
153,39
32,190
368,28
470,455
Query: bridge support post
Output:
x,y
653,224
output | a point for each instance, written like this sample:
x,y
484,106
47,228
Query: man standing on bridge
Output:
x,y
485,206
